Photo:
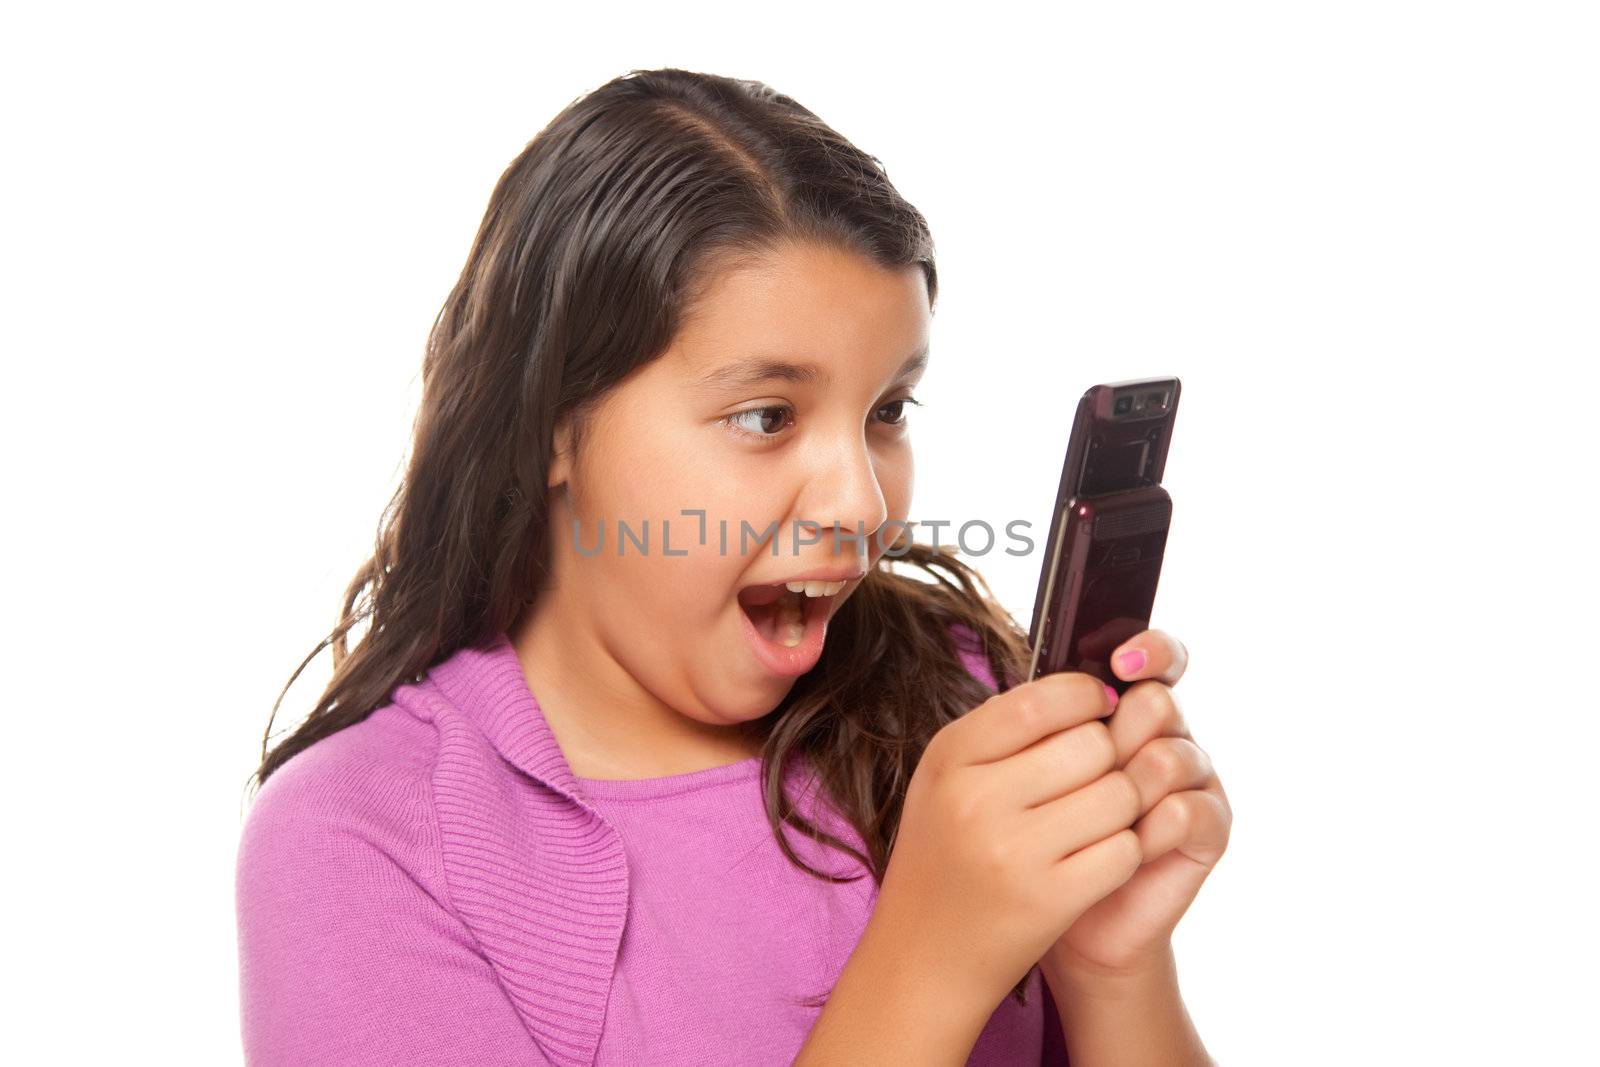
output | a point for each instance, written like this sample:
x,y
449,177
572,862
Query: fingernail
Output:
x,y
1112,693
1131,661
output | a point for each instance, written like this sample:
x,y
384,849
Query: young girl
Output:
x,y
646,755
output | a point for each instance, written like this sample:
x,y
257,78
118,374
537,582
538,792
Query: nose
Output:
x,y
844,489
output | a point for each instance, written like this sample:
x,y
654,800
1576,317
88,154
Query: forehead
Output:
x,y
804,306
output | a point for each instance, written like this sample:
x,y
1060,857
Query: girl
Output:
x,y
647,757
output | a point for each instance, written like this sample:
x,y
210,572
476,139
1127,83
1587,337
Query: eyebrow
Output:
x,y
755,372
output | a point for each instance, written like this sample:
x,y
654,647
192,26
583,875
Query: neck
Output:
x,y
607,723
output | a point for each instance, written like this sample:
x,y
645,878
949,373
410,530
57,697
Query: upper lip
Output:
x,y
820,574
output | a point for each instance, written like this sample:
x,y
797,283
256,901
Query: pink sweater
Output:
x,y
433,885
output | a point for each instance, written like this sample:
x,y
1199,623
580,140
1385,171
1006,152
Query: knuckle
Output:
x,y
1213,807
1125,798
1089,750
1027,705
1167,759
1099,745
1126,851
1182,813
1154,697
1055,683
1164,701
999,854
1226,816
968,810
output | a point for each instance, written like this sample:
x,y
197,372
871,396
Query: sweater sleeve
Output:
x,y
349,950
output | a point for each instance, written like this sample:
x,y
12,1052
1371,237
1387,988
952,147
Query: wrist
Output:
x,y
895,1000
1124,1015
1075,976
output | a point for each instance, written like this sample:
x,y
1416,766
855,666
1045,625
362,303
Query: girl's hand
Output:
x,y
1183,826
986,872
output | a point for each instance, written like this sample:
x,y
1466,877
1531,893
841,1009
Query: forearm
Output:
x,y
889,1007
1127,1021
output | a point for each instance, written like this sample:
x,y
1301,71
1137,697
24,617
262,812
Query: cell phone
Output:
x,y
1108,533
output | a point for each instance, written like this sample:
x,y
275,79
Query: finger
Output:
x,y
1009,722
1148,710
1064,825
1150,654
1055,766
1093,873
1168,765
1196,822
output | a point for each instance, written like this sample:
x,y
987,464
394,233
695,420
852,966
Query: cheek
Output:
x,y
897,476
648,473
655,482
698,486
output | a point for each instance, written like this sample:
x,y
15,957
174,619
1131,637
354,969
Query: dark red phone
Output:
x,y
1108,532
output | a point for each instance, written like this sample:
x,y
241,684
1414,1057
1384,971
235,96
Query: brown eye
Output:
x,y
762,422
896,410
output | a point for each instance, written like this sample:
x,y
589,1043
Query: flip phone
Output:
x,y
1108,532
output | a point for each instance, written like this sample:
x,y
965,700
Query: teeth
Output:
x,y
791,628
815,588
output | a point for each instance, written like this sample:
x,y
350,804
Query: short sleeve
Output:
x,y
348,953
970,650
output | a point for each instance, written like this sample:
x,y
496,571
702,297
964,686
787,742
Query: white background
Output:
x,y
1363,234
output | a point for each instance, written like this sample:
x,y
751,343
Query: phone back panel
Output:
x,y
1113,551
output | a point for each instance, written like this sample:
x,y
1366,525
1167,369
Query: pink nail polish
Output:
x,y
1131,661
1112,693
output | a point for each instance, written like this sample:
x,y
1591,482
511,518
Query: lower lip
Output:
x,y
782,660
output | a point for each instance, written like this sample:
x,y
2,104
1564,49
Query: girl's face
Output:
x,y
781,399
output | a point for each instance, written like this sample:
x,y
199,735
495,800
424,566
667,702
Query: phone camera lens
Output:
x,y
1122,405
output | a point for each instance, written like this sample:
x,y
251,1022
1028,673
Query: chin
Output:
x,y
760,700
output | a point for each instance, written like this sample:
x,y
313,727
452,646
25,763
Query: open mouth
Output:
x,y
782,614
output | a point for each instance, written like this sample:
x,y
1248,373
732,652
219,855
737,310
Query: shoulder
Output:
x,y
351,947
368,771
363,790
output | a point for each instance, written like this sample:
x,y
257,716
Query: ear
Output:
x,y
561,458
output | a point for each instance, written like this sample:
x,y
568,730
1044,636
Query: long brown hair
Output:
x,y
597,240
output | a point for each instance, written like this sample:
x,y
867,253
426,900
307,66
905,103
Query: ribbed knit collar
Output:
x,y
537,874
488,684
